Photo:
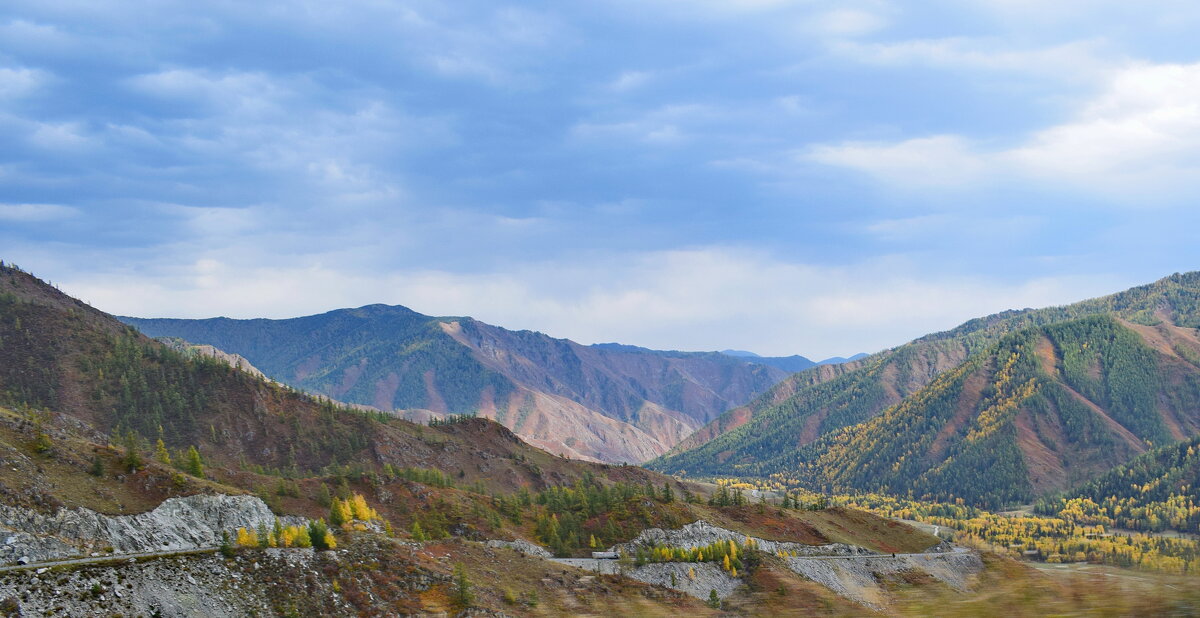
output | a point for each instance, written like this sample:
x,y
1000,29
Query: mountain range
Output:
x,y
608,402
128,460
999,410
1003,409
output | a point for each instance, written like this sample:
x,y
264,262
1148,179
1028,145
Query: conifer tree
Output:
x,y
133,458
319,535
302,537
97,465
462,594
247,538
193,464
339,514
226,546
160,453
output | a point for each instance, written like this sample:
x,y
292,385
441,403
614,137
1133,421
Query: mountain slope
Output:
x,y
803,407
1157,491
608,402
97,377
936,389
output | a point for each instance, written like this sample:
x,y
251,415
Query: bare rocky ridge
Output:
x,y
522,546
233,360
177,524
701,533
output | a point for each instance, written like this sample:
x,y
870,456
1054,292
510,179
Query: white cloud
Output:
x,y
1039,13
335,145
629,80
35,213
704,298
848,22
1075,60
666,125
1136,141
928,162
248,93
20,81
61,136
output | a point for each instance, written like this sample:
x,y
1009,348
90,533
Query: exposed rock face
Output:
x,y
233,360
522,546
700,533
176,524
857,578
697,579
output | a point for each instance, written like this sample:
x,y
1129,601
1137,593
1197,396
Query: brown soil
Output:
x,y
968,402
1046,471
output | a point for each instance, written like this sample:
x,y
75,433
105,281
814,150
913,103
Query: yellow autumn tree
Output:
x,y
359,509
247,538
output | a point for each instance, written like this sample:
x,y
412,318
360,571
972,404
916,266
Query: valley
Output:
x,y
140,476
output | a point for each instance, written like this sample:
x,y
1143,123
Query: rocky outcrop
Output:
x,y
233,360
859,578
700,533
522,546
177,524
697,579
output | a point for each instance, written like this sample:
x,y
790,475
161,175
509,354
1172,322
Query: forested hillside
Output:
x,y
1001,409
59,355
1160,490
608,402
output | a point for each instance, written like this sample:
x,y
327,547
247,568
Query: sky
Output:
x,y
787,177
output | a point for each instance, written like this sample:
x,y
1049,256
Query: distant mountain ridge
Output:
x,y
1002,408
792,364
609,402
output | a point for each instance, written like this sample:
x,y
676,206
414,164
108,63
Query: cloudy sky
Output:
x,y
813,177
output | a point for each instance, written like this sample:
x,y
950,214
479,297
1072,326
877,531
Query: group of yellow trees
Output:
x,y
727,553
351,513
353,509
281,536
1061,538
1080,531
1176,512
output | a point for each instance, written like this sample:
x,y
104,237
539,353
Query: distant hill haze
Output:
x,y
999,410
83,379
608,402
